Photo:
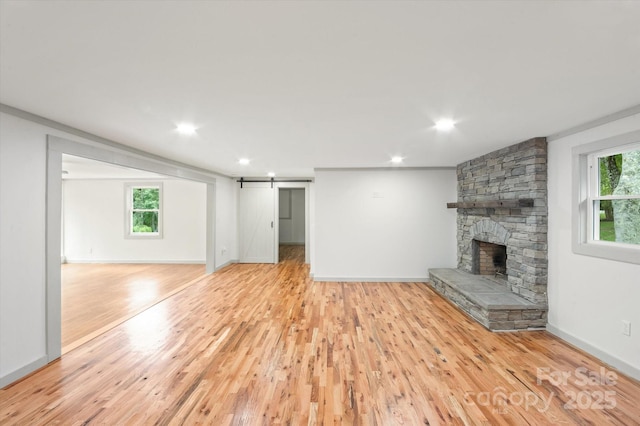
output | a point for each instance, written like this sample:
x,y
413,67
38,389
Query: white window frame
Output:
x,y
586,193
128,231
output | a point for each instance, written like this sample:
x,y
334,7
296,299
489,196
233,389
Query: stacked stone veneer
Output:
x,y
516,172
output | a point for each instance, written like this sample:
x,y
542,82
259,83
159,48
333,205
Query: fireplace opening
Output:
x,y
489,259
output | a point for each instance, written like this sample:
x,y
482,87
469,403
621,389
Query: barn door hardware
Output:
x,y
272,181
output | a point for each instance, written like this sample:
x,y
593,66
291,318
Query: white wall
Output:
x,y
226,221
383,224
22,244
22,241
291,231
94,223
588,296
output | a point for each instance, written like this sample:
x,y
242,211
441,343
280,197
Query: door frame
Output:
x,y
56,146
307,244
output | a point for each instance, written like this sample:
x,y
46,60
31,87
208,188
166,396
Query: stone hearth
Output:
x,y
490,303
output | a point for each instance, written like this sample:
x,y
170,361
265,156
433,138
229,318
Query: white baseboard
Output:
x,y
617,363
374,279
183,261
225,264
7,379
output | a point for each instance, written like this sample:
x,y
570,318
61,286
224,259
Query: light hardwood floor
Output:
x,y
264,344
97,297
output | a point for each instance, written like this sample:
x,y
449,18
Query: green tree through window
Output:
x,y
144,207
610,168
619,193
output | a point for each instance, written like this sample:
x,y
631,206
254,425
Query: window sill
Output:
x,y
150,236
628,253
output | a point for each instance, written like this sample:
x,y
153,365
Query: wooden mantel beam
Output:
x,y
522,202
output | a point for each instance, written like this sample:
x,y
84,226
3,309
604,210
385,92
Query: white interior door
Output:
x,y
257,223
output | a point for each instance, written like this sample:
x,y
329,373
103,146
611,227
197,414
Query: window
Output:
x,y
607,185
614,184
144,210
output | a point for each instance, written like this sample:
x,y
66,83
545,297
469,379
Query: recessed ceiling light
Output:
x,y
397,159
271,174
244,161
186,129
445,124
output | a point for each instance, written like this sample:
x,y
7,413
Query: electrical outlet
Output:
x,y
626,327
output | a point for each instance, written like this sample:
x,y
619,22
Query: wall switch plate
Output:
x,y
626,328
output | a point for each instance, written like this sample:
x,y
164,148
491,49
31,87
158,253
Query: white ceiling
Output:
x,y
299,85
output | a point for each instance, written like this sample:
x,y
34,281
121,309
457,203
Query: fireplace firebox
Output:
x,y
489,259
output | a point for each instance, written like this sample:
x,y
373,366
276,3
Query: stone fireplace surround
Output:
x,y
489,189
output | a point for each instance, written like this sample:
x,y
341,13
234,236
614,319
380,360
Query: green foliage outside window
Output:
x,y
146,208
619,175
610,168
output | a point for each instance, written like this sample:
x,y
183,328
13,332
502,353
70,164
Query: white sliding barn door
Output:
x,y
257,223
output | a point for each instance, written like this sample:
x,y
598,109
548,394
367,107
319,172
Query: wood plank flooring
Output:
x,y
291,253
264,344
97,297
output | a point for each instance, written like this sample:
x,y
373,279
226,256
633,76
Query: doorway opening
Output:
x,y
109,276
291,224
272,215
122,157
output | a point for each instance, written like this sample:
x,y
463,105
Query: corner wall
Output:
x,y
589,296
226,232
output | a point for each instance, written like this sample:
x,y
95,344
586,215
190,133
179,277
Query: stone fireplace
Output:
x,y
513,174
502,238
